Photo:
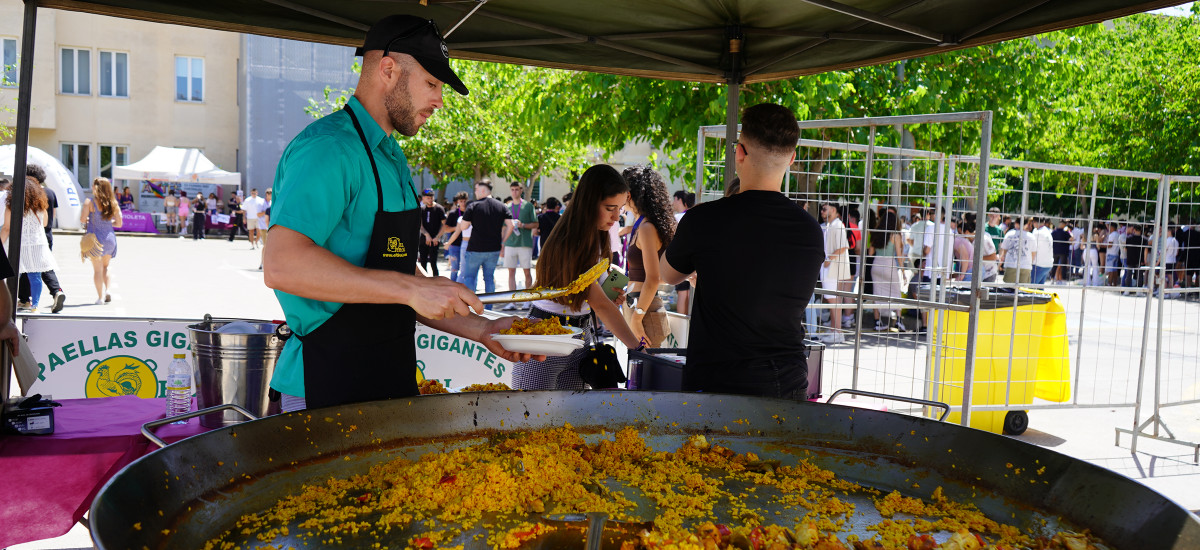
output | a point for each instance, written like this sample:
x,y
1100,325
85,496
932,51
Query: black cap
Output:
x,y
427,193
417,37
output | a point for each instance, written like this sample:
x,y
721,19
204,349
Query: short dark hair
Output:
x,y
36,172
485,182
688,199
460,196
567,196
770,126
516,184
552,202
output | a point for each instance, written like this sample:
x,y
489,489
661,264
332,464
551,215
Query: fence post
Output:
x,y
865,229
985,145
1083,292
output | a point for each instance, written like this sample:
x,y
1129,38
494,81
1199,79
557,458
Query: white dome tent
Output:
x,y
58,178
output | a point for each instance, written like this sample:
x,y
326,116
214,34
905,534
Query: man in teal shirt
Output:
x,y
344,234
518,239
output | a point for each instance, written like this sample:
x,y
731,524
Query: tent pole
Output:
x,y
734,80
731,130
20,156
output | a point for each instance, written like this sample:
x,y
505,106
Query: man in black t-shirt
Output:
x,y
1135,252
454,245
236,216
485,217
547,220
433,218
747,327
1062,252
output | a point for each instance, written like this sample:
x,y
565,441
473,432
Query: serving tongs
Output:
x,y
528,295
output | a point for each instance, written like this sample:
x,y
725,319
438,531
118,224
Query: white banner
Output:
x,y
80,358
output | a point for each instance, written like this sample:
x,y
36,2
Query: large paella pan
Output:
x,y
199,492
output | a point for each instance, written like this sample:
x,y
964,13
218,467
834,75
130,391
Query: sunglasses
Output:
x,y
410,33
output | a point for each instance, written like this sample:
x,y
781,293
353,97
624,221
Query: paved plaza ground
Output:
x,y
167,277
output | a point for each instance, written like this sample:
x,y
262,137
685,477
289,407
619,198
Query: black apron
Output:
x,y
366,352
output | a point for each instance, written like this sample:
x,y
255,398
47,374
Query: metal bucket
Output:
x,y
233,368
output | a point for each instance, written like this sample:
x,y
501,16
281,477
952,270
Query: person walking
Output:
x,y
200,216
36,257
101,215
486,218
49,278
171,209
237,216
886,246
252,207
835,273
1016,252
579,241
455,241
183,214
518,241
1043,251
433,225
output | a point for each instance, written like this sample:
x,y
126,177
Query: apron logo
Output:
x,y
121,375
395,245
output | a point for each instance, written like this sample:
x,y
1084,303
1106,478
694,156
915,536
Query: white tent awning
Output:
x,y
176,164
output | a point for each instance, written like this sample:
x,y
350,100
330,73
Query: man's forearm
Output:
x,y
296,265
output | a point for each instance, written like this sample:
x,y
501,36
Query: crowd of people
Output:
x,y
1039,251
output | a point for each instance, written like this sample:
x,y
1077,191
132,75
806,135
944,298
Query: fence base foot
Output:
x,y
1140,431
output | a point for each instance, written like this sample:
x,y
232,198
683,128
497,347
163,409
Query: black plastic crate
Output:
x,y
649,370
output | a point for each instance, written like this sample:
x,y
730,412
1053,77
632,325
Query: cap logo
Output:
x,y
445,50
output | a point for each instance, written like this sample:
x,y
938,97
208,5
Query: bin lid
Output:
x,y
994,298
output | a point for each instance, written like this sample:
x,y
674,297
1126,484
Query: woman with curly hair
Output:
x,y
652,232
36,257
578,241
101,215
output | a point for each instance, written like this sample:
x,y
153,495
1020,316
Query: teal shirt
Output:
x,y
324,189
525,236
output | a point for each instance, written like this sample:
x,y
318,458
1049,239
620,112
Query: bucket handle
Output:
x,y
164,421
937,404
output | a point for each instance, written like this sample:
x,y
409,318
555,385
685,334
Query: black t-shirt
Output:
x,y
1134,249
432,219
487,217
751,303
51,198
451,223
5,268
546,222
1062,241
235,207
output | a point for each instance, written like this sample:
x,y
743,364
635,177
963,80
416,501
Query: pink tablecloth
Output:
x,y
47,482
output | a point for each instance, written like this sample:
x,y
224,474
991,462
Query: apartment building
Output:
x,y
106,90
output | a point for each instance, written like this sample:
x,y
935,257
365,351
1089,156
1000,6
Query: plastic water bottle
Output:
x,y
179,387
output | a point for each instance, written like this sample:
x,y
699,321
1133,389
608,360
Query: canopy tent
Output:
x,y
176,164
731,41
58,179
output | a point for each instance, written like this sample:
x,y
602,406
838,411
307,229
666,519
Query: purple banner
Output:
x,y
137,222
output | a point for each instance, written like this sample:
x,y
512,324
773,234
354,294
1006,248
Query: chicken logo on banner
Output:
x,y
122,375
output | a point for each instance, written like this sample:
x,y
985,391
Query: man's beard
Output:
x,y
400,108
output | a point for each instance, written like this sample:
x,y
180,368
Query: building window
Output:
x,y
77,157
110,156
76,71
189,79
114,74
8,62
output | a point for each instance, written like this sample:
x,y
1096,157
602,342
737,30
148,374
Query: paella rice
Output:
x,y
540,327
495,493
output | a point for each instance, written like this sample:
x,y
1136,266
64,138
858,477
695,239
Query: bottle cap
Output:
x,y
180,355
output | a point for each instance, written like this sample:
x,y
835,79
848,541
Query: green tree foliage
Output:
x,y
1119,95
488,131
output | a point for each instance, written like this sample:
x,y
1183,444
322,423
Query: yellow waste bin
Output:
x,y
1021,352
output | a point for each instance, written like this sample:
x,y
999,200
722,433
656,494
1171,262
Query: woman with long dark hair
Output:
x,y
578,241
101,214
36,256
885,248
651,234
